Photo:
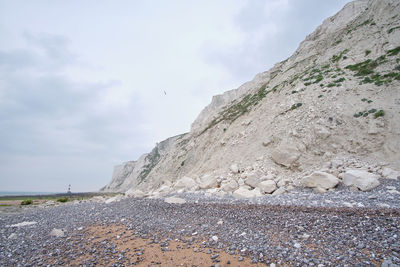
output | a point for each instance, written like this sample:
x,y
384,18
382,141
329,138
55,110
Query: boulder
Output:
x,y
285,155
135,193
174,200
361,179
229,186
319,179
279,191
243,192
234,168
267,187
253,179
57,232
390,174
185,183
207,181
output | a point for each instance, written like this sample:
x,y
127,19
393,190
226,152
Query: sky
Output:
x,y
87,85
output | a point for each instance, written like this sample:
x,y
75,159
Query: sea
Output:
x,y
24,193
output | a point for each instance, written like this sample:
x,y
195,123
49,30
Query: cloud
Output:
x,y
270,32
48,117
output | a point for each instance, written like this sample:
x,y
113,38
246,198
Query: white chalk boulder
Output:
x,y
268,186
174,200
244,192
135,193
186,183
229,186
207,181
320,180
361,179
285,155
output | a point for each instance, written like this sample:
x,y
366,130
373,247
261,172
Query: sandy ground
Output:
x,y
145,252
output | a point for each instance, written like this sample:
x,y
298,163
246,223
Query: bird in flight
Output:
x,y
165,93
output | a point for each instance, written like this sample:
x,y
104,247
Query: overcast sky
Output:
x,y
82,82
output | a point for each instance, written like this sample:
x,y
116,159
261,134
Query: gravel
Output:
x,y
299,229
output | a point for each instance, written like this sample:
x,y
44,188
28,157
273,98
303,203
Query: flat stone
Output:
x,y
57,232
321,180
174,200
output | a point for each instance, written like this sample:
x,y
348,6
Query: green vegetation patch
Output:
x,y
393,29
336,58
27,202
366,67
294,106
62,199
365,113
367,52
234,111
153,158
379,113
393,52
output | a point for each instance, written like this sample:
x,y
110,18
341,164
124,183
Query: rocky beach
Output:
x,y
303,228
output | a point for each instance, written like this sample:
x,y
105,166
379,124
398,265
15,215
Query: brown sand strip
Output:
x,y
114,244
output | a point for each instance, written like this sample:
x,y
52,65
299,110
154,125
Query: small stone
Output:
x,y
57,232
220,222
13,236
234,168
240,258
297,245
174,200
214,238
215,256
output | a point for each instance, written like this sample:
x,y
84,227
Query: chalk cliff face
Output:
x,y
334,104
132,173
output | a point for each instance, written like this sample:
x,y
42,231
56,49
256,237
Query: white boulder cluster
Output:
x,y
251,182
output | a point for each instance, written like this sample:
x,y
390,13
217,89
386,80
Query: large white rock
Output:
x,y
185,183
135,193
253,179
390,174
243,192
268,186
363,180
320,179
175,200
285,155
207,181
229,186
